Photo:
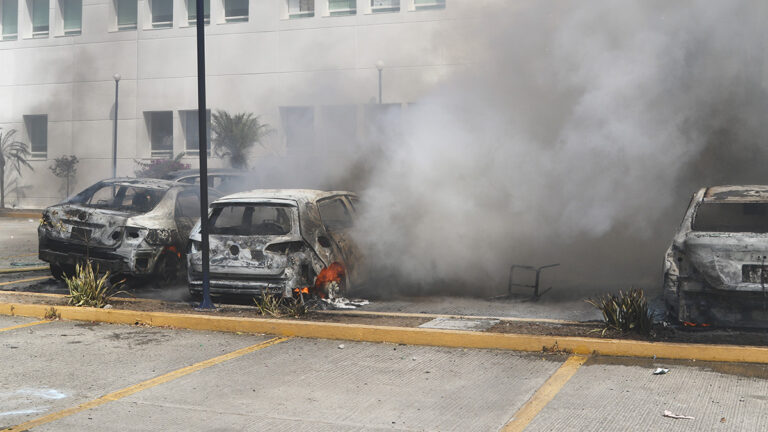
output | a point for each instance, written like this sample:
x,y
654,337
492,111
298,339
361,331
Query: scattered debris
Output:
x,y
555,349
722,420
341,346
660,371
107,306
668,413
344,303
534,286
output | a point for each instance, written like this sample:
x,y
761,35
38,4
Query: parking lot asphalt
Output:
x,y
64,376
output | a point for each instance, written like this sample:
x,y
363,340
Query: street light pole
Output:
x,y
203,155
114,131
380,67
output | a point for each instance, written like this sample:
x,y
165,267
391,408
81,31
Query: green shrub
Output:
x,y
86,288
625,311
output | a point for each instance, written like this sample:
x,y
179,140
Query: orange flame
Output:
x,y
333,273
692,324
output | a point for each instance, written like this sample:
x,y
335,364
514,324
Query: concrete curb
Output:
x,y
400,335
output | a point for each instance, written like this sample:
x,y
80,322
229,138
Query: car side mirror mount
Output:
x,y
324,241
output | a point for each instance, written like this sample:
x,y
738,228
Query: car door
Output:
x,y
337,217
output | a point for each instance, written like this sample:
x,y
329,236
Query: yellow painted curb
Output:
x,y
23,269
402,335
22,214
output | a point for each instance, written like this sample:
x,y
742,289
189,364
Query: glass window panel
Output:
x,y
236,10
192,11
10,23
192,130
161,131
429,4
39,15
126,14
301,8
385,5
342,7
72,12
298,127
37,131
162,13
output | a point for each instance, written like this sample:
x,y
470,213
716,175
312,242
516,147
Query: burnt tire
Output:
x,y
166,270
57,272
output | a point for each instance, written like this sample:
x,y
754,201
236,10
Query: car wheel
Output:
x,y
166,270
57,272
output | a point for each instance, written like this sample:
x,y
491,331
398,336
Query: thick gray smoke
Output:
x,y
575,135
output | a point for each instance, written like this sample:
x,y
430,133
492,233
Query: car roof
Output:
x,y
149,183
740,193
299,195
174,175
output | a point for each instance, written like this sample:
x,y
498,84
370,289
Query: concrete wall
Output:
x,y
255,66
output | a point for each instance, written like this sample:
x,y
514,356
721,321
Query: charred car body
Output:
x,y
279,242
127,226
716,270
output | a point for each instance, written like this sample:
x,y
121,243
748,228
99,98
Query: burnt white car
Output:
x,y
716,269
127,226
277,242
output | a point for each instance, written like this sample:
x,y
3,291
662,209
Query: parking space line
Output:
x,y
23,269
23,325
119,394
39,278
544,394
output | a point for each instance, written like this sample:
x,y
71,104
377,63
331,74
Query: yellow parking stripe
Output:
x,y
25,280
544,394
23,325
23,269
170,376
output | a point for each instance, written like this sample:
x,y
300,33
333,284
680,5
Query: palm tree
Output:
x,y
13,154
234,135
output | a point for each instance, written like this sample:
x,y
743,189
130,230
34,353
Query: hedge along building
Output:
x,y
308,68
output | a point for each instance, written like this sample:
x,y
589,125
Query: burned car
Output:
x,y
127,226
716,270
279,242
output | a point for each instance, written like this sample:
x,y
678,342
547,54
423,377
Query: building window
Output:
x,y
378,6
9,10
236,10
38,14
126,14
428,4
299,128
192,12
301,8
37,131
190,125
160,127
342,7
162,13
72,14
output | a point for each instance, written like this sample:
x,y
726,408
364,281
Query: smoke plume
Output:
x,y
575,134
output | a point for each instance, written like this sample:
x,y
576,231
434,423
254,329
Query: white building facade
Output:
x,y
301,65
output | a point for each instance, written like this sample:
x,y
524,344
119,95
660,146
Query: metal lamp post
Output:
x,y
114,131
203,141
380,67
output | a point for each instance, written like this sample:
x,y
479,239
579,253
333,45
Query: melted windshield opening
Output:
x,y
120,197
732,217
251,219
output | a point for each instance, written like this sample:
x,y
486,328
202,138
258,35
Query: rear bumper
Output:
x,y
139,262
254,287
724,308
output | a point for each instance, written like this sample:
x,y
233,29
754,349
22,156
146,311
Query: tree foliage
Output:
x,y
233,136
65,167
159,168
13,156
